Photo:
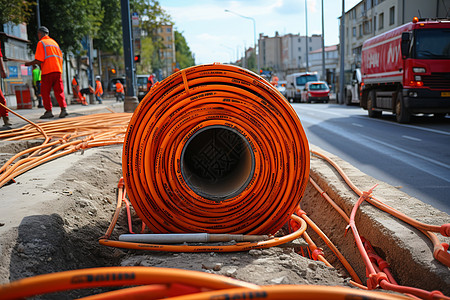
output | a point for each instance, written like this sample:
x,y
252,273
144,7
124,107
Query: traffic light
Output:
x,y
137,58
113,71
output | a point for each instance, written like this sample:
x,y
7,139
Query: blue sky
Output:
x,y
214,35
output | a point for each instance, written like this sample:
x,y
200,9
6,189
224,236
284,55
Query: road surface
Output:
x,y
414,157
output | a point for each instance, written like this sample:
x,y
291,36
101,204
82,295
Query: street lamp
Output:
x,y
254,32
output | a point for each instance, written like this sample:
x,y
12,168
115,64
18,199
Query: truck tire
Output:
x,y
401,113
370,106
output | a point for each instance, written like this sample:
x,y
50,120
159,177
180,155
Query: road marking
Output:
x,y
357,125
411,138
403,125
430,160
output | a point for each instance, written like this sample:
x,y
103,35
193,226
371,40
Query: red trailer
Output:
x,y
407,70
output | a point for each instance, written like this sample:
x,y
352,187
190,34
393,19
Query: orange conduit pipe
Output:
x,y
217,149
115,276
440,252
375,277
62,137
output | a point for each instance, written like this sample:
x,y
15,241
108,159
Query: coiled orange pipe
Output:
x,y
215,148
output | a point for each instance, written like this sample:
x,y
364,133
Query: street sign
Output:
x,y
135,19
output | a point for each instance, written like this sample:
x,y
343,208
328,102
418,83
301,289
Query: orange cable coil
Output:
x,y
215,148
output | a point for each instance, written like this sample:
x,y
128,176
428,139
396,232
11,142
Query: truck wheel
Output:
x,y
370,106
401,113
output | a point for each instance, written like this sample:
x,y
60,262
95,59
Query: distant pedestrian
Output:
x,y
76,91
37,85
151,81
98,89
49,56
120,95
3,111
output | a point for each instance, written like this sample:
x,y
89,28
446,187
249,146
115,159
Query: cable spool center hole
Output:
x,y
217,163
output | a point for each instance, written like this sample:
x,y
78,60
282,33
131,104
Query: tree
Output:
x,y
183,54
69,21
16,11
109,37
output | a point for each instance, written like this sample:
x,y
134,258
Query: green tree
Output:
x,y
183,54
147,51
16,11
109,36
69,21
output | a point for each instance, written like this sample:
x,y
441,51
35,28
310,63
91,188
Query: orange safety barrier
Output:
x,y
217,149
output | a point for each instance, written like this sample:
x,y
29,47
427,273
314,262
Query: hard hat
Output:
x,y
97,77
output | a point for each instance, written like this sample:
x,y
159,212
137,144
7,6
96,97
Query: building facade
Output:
x,y
286,54
331,64
167,53
369,18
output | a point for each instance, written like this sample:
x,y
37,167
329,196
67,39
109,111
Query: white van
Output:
x,y
295,83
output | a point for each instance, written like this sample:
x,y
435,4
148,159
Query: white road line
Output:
x,y
424,168
357,125
411,138
403,125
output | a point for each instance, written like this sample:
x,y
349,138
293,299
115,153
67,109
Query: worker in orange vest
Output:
x,y
76,91
49,56
3,111
120,95
98,89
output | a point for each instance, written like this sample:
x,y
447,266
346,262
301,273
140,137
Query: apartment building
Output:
x,y
369,18
286,54
331,63
167,54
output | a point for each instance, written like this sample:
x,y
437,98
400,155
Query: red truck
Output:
x,y
407,70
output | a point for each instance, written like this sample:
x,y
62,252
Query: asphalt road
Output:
x,y
414,157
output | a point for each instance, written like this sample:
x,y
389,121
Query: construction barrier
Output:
x,y
215,148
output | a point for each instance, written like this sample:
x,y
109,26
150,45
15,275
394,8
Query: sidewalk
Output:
x,y
74,110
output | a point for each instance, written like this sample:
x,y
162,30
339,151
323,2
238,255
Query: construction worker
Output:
x,y
150,81
49,56
3,111
120,95
98,90
37,84
76,91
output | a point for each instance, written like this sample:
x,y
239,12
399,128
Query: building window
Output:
x,y
299,49
374,23
360,30
381,21
392,15
168,29
299,40
299,58
310,49
354,31
367,27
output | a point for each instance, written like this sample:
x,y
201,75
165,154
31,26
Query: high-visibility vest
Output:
x,y
98,88
119,87
50,54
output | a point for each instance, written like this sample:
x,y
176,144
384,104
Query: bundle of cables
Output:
x,y
215,148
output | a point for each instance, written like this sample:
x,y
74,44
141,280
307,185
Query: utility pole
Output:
x,y
324,74
131,101
342,52
38,14
307,48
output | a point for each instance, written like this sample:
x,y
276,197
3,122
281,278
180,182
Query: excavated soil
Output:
x,y
53,215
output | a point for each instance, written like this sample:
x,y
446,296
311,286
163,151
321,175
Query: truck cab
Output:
x,y
353,89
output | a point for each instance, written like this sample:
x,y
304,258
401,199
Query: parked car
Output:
x,y
141,81
316,91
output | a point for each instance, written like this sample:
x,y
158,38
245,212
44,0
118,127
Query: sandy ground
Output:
x,y
52,217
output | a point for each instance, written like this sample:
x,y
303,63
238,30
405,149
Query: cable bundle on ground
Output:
x,y
215,148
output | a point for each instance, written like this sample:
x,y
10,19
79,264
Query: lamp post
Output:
x,y
254,32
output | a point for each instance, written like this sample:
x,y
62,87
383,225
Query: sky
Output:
x,y
214,35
